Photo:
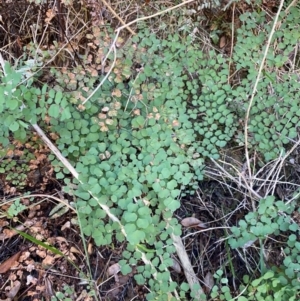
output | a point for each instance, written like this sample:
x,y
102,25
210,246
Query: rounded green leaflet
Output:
x,y
171,204
156,186
165,173
294,227
54,111
164,193
125,268
135,237
144,211
12,104
129,216
142,223
138,122
9,120
172,184
14,126
95,189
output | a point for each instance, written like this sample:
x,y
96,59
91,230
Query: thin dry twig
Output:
x,y
247,117
156,14
117,16
187,267
47,196
232,42
243,183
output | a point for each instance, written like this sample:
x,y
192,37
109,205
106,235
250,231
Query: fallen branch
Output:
x,y
189,273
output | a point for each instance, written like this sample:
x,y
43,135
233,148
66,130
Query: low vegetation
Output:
x,y
173,146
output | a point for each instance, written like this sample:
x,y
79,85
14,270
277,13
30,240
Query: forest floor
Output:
x,y
28,270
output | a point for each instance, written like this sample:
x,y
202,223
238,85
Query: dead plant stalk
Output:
x,y
247,117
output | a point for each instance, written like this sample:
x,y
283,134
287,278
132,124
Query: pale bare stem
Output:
x,y
216,176
284,159
75,174
205,230
271,177
224,217
44,32
131,90
68,21
293,198
189,273
254,91
71,54
46,196
2,63
289,152
117,16
113,48
34,33
156,14
274,173
103,282
275,181
243,183
268,176
232,40
22,26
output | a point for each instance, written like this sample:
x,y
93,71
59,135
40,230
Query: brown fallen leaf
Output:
x,y
192,222
113,270
83,296
48,260
8,263
176,266
90,248
68,254
8,233
222,41
14,290
208,282
41,253
3,222
67,225
48,287
31,280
